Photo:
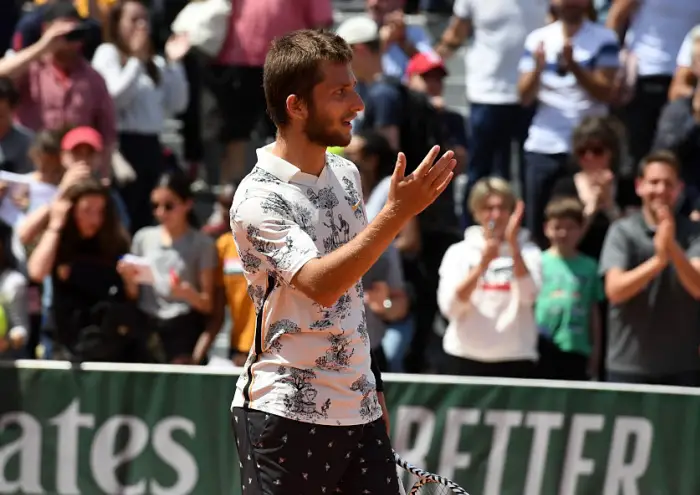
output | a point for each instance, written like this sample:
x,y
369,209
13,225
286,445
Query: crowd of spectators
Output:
x,y
566,247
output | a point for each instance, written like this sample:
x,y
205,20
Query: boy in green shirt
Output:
x,y
567,311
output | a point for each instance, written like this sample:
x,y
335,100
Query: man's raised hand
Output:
x,y
409,195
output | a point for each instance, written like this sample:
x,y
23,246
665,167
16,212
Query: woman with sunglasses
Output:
x,y
182,262
596,144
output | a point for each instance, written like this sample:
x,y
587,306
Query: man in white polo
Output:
x,y
306,412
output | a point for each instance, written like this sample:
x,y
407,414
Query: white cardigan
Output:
x,y
142,106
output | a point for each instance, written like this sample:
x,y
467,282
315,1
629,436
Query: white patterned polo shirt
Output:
x,y
308,363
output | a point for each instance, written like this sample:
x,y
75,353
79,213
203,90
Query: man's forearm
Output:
x,y
687,273
594,84
621,286
325,279
18,64
528,87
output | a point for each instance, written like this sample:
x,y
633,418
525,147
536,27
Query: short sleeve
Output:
x,y
462,9
685,54
137,243
527,59
208,258
615,250
263,231
608,56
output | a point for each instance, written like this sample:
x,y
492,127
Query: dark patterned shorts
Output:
x,y
281,456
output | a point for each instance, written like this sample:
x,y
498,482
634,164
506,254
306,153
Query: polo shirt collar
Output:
x,y
285,171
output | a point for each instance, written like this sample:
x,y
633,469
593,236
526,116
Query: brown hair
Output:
x,y
114,17
666,157
564,207
111,238
293,67
607,130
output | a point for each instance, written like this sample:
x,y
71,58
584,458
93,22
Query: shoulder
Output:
x,y
146,234
23,133
14,279
385,88
542,34
202,240
603,34
626,227
224,242
106,50
587,263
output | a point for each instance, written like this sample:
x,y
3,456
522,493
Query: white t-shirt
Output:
x,y
563,103
500,28
497,323
685,54
308,363
656,33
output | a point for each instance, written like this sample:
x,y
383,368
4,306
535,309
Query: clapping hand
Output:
x,y
540,57
665,233
513,228
177,47
409,195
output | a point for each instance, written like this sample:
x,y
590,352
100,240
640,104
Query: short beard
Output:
x,y
316,130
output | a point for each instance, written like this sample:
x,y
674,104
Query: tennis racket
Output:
x,y
428,483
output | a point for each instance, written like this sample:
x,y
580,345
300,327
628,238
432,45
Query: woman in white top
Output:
x,y
488,285
146,89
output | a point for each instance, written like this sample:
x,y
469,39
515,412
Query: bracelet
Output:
x,y
52,230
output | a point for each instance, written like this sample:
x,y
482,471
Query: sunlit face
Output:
x,y
593,156
334,104
89,214
134,16
82,153
571,10
564,233
168,208
494,212
659,187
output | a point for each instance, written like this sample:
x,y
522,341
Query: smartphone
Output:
x,y
78,34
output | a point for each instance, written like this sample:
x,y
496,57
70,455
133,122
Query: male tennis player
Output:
x,y
306,412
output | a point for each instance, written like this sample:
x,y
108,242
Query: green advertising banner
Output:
x,y
166,431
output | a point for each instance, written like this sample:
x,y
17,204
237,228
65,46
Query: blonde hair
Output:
x,y
490,186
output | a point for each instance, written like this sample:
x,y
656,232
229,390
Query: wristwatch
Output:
x,y
387,303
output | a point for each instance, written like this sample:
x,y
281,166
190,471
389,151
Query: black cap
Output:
x,y
60,10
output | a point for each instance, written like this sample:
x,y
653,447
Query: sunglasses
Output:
x,y
596,150
167,206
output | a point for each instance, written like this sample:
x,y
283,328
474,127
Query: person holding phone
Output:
x,y
488,285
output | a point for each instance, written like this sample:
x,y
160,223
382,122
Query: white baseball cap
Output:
x,y
357,30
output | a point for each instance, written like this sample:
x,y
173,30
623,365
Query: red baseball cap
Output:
x,y
82,135
422,63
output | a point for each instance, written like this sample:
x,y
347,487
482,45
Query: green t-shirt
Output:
x,y
570,288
